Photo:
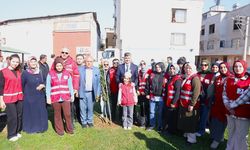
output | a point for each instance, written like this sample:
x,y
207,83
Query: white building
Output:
x,y
80,32
223,34
159,28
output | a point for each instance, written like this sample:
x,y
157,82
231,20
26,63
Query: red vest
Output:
x,y
218,109
142,80
12,91
59,87
113,84
234,89
127,94
171,91
186,93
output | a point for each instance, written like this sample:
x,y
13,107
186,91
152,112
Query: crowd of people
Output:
x,y
171,99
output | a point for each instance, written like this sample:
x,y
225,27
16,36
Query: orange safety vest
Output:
x,y
59,87
12,87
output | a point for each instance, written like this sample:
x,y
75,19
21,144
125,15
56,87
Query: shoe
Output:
x,y
91,125
150,128
142,126
214,145
19,135
207,131
129,128
125,128
84,125
13,139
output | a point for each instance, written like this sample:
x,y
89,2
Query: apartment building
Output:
x,y
158,29
223,34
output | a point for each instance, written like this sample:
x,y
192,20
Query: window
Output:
x,y
210,45
235,43
203,30
201,45
178,39
179,15
211,28
222,43
237,23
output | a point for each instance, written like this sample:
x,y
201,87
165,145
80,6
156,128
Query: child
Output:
x,y
127,98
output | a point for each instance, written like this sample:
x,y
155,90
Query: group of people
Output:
x,y
172,99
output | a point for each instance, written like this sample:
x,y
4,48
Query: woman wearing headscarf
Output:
x,y
35,116
188,116
155,87
238,119
60,92
218,111
11,97
206,78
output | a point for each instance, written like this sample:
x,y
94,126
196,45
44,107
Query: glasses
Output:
x,y
65,53
115,62
142,64
106,64
204,64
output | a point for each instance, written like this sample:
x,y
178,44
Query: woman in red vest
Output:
x,y
60,92
238,119
11,97
188,117
218,111
171,99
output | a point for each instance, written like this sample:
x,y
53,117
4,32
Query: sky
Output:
x,y
14,9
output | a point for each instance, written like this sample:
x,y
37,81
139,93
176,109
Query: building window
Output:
x,y
178,39
203,30
237,24
210,45
211,28
201,45
235,43
179,15
222,43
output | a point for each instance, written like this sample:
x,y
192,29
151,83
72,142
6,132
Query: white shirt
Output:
x,y
89,78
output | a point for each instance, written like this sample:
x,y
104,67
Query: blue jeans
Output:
x,y
127,116
156,108
204,112
86,108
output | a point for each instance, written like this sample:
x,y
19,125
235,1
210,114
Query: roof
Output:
x,y
5,22
12,50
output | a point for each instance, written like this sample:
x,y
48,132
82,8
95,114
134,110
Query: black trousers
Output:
x,y
144,110
14,118
114,98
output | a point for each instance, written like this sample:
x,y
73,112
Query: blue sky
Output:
x,y
13,9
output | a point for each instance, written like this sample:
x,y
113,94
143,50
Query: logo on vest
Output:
x,y
240,91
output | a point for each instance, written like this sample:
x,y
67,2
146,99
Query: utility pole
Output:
x,y
246,39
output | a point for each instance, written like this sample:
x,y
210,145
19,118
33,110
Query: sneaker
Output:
x,y
91,125
125,128
84,125
13,139
214,145
150,128
129,128
19,135
207,131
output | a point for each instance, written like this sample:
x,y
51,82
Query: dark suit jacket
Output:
x,y
121,71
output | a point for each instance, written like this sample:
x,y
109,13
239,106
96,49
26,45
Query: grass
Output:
x,y
102,137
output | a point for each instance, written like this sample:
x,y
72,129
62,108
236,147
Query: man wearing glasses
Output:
x,y
113,87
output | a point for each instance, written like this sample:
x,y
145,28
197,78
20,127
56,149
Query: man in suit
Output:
x,y
127,66
89,91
